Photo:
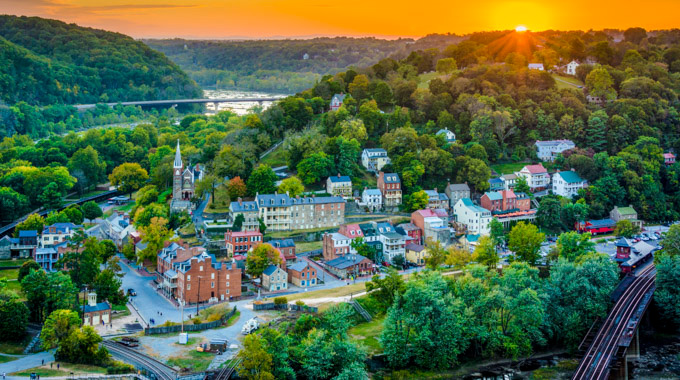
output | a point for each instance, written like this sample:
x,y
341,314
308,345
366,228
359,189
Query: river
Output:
x,y
238,108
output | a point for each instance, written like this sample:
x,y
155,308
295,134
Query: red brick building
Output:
x,y
171,254
302,274
240,242
505,200
389,185
203,279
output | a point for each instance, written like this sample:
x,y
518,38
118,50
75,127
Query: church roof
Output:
x,y
178,157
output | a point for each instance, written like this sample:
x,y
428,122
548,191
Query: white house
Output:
x,y
394,244
374,159
567,183
536,66
509,181
57,233
537,177
548,150
450,136
339,186
336,101
571,67
371,198
475,218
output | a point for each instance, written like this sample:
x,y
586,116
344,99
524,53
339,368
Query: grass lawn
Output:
x,y
15,286
367,334
189,229
308,246
196,361
508,168
221,202
10,274
233,318
276,158
424,79
324,293
64,370
12,263
5,359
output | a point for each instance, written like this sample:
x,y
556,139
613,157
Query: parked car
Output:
x,y
131,292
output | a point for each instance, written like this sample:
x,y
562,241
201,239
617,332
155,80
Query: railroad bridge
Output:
x,y
612,341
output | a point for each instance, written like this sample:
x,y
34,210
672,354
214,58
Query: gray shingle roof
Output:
x,y
299,266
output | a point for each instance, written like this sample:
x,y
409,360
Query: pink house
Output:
x,y
668,159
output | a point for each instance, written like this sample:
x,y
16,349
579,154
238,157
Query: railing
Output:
x,y
198,327
360,309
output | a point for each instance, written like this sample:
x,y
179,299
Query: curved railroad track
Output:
x,y
160,370
596,361
226,372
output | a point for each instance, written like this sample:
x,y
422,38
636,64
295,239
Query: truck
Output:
x,y
250,326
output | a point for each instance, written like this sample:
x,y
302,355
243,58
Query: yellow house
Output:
x,y
416,253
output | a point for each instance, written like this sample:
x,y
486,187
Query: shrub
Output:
x,y
300,303
280,301
196,320
116,367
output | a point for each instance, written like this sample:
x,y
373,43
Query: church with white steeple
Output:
x,y
183,183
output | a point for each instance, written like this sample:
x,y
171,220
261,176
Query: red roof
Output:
x,y
426,213
508,194
668,155
245,233
536,169
440,212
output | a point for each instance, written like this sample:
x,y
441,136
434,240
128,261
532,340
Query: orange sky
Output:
x,y
298,18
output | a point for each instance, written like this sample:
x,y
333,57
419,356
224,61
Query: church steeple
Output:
x,y
178,158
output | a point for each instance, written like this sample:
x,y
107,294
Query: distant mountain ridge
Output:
x,y
46,61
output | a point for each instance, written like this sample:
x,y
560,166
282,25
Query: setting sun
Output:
x,y
520,28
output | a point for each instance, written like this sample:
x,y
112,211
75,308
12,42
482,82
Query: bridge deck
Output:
x,y
182,101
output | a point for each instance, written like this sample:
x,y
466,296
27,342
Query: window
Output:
x,y
200,269
189,278
212,276
212,284
188,286
227,284
227,276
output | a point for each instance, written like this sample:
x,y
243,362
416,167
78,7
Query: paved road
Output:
x,y
26,362
149,302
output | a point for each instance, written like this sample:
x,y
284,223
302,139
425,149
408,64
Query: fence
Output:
x,y
198,327
285,306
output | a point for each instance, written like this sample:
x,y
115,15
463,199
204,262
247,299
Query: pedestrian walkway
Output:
x,y
27,362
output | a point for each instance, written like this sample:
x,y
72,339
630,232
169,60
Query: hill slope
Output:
x,y
273,65
47,61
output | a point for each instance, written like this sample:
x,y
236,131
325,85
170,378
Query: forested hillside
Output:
x,y
273,65
48,62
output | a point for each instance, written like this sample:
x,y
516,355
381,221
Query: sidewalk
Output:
x,y
27,362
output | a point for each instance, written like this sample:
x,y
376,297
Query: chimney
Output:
x,y
240,201
338,175
573,170
435,190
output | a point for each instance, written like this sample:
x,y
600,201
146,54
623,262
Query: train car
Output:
x,y
596,227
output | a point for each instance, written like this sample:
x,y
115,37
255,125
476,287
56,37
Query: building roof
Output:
x,y
338,236
535,169
178,157
496,180
245,233
668,155
45,250
270,270
425,213
28,233
346,261
391,178
414,247
282,243
472,238
375,192
536,66
386,227
508,177
299,266
440,212
244,206
494,195
339,179
601,223
408,227
434,195
376,151
61,228
100,306
521,195
570,176
626,210
623,242
550,143
368,229
469,204
392,235
458,187
338,97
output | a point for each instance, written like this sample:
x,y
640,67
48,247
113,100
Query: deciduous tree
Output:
x,y
525,241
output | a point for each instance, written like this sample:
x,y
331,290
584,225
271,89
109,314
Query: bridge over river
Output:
x,y
175,102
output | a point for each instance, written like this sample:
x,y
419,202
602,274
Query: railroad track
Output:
x,y
596,361
158,369
226,372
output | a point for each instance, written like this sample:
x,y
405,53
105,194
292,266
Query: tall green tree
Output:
x,y
262,180
525,241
